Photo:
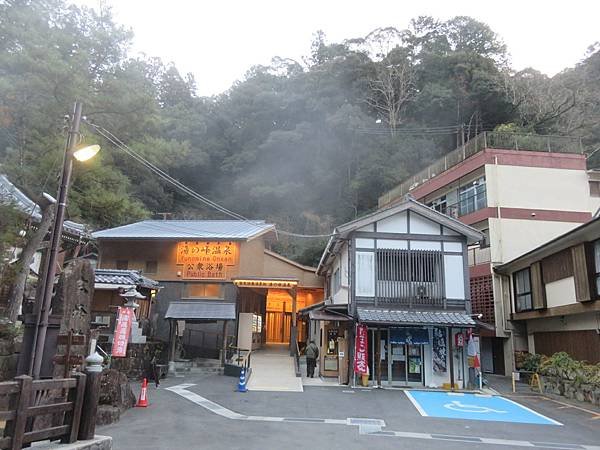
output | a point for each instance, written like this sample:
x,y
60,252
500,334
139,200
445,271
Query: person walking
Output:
x,y
155,368
312,353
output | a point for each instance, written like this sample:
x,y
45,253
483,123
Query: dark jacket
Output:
x,y
312,351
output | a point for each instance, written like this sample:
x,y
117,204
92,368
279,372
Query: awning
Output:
x,y
326,315
397,317
409,336
201,310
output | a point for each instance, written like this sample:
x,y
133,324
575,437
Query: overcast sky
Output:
x,y
219,40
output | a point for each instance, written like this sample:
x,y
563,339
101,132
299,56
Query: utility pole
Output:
x,y
43,308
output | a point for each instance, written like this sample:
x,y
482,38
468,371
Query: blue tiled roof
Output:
x,y
188,229
126,277
10,194
391,316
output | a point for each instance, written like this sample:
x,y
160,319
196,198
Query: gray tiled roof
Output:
x,y
187,229
10,194
391,316
198,310
110,276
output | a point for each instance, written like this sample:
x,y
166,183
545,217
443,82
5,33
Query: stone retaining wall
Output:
x,y
571,389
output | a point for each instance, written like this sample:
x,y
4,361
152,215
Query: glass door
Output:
x,y
397,363
415,367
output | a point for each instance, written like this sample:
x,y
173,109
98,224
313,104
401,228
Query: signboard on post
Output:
x,y
206,260
122,330
360,351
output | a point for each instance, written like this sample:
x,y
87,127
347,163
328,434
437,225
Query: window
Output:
x,y
151,267
486,238
204,290
472,197
122,264
439,204
365,274
337,280
402,265
522,280
594,188
597,266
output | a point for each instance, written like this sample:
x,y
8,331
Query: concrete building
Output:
x,y
555,291
401,272
221,285
519,191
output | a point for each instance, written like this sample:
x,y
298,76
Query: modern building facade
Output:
x,y
220,283
519,191
402,272
555,294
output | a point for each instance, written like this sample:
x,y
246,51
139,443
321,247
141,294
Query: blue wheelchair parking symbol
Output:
x,y
465,406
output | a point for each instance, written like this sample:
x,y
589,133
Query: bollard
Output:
x,y
242,382
93,370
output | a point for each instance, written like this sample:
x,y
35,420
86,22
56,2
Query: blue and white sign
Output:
x,y
464,406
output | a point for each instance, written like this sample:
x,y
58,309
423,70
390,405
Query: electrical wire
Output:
x,y
185,189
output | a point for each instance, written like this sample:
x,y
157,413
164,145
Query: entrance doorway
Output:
x,y
401,363
279,326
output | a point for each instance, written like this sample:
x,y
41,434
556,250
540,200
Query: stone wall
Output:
x,y
571,389
136,364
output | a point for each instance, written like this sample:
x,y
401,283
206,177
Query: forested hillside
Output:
x,y
306,144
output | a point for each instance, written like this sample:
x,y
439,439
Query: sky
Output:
x,y
219,40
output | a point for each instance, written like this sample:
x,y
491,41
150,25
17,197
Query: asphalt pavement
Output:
x,y
205,412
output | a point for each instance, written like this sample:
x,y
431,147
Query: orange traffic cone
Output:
x,y
143,401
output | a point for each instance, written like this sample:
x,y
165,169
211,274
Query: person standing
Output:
x,y
312,353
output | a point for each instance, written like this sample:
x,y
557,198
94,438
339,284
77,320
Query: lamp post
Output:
x,y
43,308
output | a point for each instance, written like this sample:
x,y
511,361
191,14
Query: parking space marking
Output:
x,y
369,427
467,406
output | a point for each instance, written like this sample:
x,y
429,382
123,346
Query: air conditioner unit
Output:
x,y
421,291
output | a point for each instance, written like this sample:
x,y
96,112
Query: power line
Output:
x,y
185,189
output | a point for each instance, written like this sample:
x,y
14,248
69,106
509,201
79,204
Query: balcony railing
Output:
x,y
477,255
487,139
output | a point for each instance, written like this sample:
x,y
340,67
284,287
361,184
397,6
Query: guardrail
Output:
x,y
487,139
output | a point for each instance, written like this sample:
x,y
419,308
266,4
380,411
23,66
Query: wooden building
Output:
x,y
401,272
221,284
553,294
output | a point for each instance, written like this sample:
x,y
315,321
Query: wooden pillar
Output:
x,y
451,358
224,355
294,331
377,345
172,341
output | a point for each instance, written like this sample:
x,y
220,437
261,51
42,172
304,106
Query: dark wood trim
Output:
x,y
538,291
580,273
408,236
575,308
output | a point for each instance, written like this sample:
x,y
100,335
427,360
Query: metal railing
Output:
x,y
487,139
241,357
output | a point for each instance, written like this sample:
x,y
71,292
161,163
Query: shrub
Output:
x,y
563,366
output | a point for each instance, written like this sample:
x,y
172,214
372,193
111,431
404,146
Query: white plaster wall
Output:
x,y
454,276
574,322
421,225
561,292
513,237
537,188
344,266
341,262
397,223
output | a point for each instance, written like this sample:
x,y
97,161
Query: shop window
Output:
x,y
122,264
597,267
204,290
151,267
523,299
472,197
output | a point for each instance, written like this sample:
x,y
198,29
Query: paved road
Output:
x,y
175,422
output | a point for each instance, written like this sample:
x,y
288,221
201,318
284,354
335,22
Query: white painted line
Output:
x,y
493,441
458,394
416,404
531,411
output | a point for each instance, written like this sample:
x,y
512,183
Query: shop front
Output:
x,y
430,354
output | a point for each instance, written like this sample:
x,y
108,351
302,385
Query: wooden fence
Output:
x,y
41,409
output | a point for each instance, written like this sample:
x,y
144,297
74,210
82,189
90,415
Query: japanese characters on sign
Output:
x,y
206,260
122,330
360,350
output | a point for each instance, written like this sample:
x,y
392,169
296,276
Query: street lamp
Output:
x,y
43,308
